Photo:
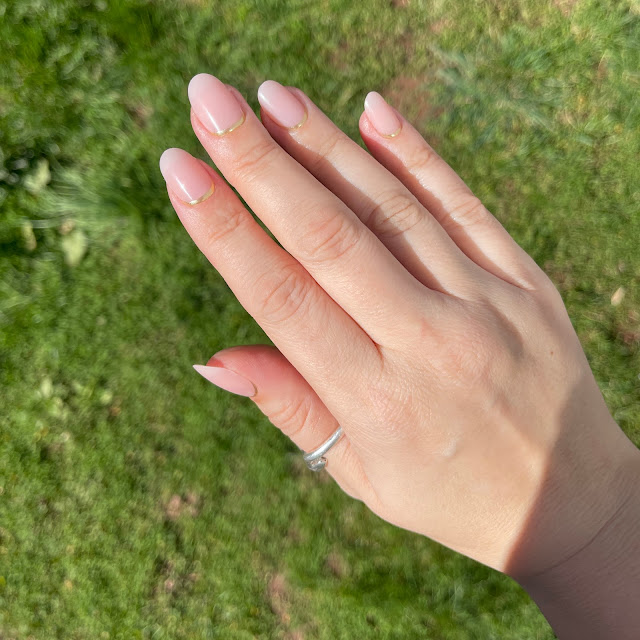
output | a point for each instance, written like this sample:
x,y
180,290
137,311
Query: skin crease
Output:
x,y
403,311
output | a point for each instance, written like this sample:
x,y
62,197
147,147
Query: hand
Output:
x,y
403,311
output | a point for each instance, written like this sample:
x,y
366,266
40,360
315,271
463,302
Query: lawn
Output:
x,y
138,501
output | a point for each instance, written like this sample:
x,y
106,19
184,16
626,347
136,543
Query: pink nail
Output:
x,y
281,105
227,380
215,106
186,177
381,115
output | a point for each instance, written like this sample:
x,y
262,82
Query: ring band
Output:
x,y
315,459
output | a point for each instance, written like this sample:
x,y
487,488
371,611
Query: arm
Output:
x,y
595,593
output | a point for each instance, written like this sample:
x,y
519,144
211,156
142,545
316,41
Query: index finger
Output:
x,y
344,257
316,336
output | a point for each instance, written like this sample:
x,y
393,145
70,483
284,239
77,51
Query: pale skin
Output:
x,y
402,310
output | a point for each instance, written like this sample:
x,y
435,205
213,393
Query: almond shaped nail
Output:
x,y
185,176
381,115
227,380
215,106
281,105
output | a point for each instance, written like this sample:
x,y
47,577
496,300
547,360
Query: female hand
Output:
x,y
402,310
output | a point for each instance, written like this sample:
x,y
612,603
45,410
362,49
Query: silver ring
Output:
x,y
315,459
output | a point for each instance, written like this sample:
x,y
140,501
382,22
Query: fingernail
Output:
x,y
381,115
215,106
227,380
281,105
186,177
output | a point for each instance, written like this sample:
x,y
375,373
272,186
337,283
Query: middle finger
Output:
x,y
344,257
378,198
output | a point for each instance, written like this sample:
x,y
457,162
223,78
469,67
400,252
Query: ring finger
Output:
x,y
379,199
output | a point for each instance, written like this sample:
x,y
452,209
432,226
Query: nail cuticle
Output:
x,y
233,127
393,135
297,126
204,197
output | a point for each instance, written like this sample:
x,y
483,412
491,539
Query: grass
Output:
x,y
137,501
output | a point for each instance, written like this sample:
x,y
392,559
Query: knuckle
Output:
x,y
467,212
421,159
330,238
294,417
542,282
222,226
328,148
466,366
252,161
283,294
395,214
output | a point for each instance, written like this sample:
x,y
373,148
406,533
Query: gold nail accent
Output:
x,y
297,126
204,197
231,128
393,135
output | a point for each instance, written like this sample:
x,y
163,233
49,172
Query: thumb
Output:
x,y
262,373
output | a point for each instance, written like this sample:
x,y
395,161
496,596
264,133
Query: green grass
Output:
x,y
136,500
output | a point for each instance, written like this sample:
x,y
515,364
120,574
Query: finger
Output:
x,y
290,403
313,224
315,334
439,188
377,197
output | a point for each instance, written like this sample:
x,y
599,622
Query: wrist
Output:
x,y
594,594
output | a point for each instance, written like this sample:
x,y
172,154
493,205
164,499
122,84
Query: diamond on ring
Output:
x,y
315,459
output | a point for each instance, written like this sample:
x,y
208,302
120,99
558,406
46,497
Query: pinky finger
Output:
x,y
442,191
290,403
